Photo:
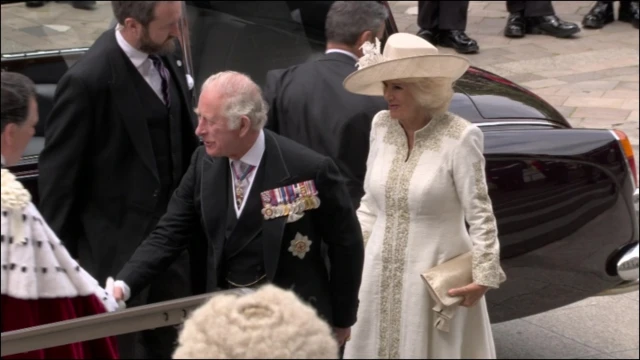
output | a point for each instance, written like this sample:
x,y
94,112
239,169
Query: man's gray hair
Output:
x,y
243,97
142,11
347,20
17,92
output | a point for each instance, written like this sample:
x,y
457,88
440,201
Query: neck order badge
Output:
x,y
241,171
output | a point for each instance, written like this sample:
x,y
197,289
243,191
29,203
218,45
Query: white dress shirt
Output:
x,y
142,62
252,157
352,55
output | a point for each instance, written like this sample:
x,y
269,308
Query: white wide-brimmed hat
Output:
x,y
404,56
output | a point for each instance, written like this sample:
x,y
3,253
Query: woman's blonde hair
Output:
x,y
433,94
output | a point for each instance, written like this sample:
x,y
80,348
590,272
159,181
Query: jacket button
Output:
x,y
155,193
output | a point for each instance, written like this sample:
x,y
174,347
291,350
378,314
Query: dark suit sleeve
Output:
x,y
170,237
271,94
352,152
341,232
67,134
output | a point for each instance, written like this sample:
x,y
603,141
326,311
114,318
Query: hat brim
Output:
x,y
368,81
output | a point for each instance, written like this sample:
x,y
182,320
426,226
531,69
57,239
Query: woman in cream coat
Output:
x,y
425,177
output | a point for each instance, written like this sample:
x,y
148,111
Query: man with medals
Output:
x,y
255,208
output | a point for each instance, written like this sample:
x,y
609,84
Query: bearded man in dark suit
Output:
x,y
118,141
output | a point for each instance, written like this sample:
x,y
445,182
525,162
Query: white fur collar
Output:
x,y
35,264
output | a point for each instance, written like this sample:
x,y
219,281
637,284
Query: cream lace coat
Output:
x,y
413,218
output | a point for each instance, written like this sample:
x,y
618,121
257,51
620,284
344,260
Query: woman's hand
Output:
x,y
471,293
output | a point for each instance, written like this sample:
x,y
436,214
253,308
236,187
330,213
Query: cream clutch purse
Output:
x,y
440,279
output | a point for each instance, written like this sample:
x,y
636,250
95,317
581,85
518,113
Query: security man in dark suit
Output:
x,y
444,23
265,205
308,103
118,141
602,14
536,17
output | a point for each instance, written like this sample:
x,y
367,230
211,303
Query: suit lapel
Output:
x,y
276,174
214,188
129,104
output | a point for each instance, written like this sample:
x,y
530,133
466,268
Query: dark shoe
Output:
x,y
551,25
34,4
629,12
515,26
428,34
84,5
458,40
600,15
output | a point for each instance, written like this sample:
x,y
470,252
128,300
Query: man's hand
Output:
x,y
342,335
118,294
116,291
471,293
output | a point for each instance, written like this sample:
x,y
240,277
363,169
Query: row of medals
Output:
x,y
300,205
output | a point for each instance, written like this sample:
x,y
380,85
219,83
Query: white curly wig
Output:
x,y
269,324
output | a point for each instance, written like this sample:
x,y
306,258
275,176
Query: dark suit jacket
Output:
x,y
98,176
308,104
200,204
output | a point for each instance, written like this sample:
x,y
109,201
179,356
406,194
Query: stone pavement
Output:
x,y
53,26
592,79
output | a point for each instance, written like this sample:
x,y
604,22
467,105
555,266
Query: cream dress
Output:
x,y
413,218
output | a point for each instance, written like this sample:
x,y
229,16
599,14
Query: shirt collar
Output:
x,y
254,155
353,56
136,56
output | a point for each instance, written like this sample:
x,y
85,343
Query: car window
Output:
x,y
252,36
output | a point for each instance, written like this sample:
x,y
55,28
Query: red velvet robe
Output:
x,y
19,314
41,282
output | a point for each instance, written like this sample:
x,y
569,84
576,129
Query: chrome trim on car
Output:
x,y
44,52
503,123
635,201
627,266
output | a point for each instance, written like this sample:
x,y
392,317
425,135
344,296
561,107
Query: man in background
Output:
x,y
308,103
536,17
444,23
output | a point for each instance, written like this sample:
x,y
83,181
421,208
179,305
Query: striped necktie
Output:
x,y
241,171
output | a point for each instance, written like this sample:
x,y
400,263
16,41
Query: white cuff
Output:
x,y
125,289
